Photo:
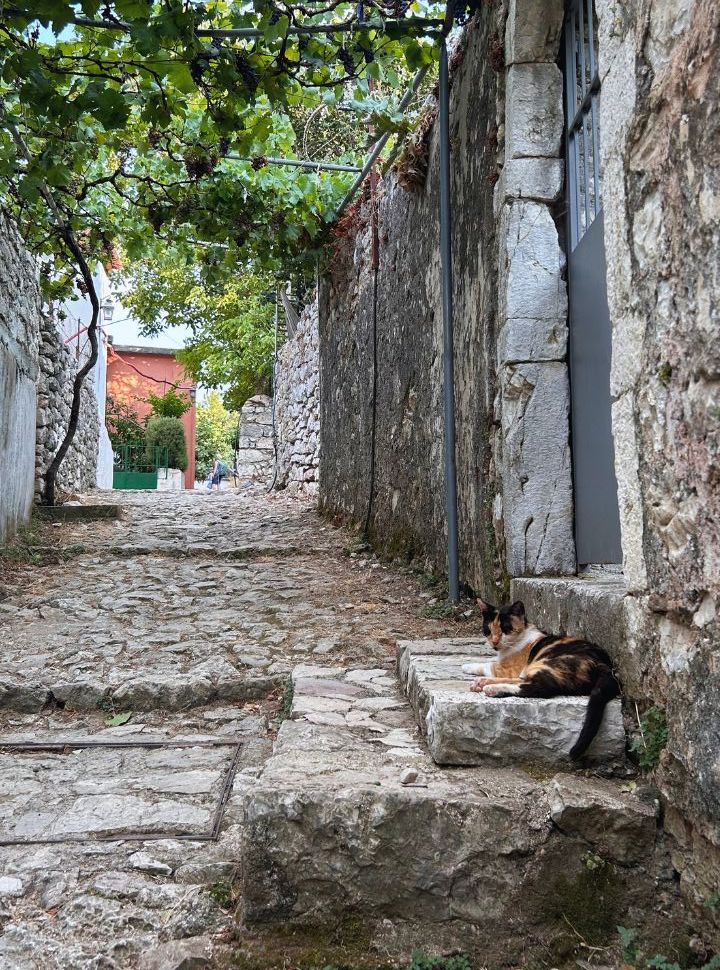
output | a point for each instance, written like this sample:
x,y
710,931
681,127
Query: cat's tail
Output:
x,y
605,689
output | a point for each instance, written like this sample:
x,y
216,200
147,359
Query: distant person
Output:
x,y
215,474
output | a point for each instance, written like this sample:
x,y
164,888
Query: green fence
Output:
x,y
137,467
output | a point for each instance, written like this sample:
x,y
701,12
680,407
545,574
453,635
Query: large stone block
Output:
x,y
530,178
621,827
523,340
536,470
532,263
534,111
533,30
471,729
465,728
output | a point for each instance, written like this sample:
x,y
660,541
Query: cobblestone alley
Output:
x,y
119,844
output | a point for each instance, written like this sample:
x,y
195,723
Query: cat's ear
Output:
x,y
517,608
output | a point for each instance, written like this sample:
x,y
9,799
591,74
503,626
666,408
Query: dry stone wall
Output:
x,y
297,418
406,494
255,446
19,328
58,367
660,67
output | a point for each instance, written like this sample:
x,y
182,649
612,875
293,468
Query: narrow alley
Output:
x,y
182,622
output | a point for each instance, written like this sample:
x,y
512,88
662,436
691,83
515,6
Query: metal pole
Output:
x,y
380,144
301,163
447,308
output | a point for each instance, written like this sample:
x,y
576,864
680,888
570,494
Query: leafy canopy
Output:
x,y
215,434
230,315
153,127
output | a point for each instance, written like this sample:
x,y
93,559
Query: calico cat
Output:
x,y
532,664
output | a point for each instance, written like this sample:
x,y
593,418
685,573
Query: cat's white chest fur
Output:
x,y
483,669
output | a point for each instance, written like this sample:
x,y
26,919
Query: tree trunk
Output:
x,y
48,495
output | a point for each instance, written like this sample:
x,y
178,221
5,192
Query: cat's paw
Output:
x,y
481,682
500,690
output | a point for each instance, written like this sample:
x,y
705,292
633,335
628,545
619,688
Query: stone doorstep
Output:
x,y
464,728
329,829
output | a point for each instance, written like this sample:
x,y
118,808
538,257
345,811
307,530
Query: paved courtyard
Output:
x,y
142,681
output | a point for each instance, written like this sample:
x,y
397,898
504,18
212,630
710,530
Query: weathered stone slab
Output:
x,y
533,30
78,513
465,728
622,827
471,729
534,111
530,178
345,820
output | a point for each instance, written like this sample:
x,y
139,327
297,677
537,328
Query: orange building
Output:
x,y
133,373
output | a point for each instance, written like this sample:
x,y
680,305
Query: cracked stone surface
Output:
x,y
189,614
351,814
465,728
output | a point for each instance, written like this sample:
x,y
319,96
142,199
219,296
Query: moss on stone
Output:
x,y
587,905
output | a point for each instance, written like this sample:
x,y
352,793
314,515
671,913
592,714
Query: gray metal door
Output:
x,y
597,521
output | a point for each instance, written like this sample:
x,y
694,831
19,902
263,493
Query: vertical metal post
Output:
x,y
447,307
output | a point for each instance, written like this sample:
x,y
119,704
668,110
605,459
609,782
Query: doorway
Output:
x,y
597,519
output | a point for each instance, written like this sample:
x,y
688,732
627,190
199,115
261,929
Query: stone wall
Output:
x,y
255,445
19,325
660,66
58,366
297,418
406,496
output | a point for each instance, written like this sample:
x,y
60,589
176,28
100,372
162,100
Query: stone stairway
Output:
x,y
465,728
352,819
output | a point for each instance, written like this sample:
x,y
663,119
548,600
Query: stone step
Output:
x,y
351,818
465,728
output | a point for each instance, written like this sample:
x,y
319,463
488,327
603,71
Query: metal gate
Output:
x,y
597,521
136,466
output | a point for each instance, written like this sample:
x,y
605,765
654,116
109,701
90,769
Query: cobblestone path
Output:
x,y
118,844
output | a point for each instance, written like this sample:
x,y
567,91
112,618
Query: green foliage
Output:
x,y
633,958
169,405
222,893
230,314
156,130
215,434
629,948
167,433
653,737
123,424
287,700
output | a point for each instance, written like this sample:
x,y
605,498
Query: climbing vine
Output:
x,y
150,121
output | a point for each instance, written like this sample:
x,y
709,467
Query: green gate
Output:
x,y
137,467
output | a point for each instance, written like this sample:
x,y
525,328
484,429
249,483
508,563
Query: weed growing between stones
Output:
x,y
649,744
222,893
633,957
36,544
287,701
585,907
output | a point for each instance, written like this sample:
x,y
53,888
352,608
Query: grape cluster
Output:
x,y
345,58
275,16
278,221
465,10
247,72
260,161
198,65
154,137
224,146
199,164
